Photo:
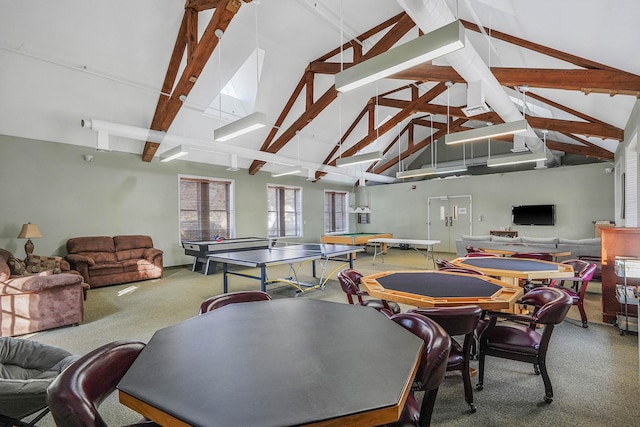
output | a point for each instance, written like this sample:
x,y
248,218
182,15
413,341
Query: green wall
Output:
x,y
50,184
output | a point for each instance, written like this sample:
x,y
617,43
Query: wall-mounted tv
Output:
x,y
533,215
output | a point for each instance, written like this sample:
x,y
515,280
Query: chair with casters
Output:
x,y
480,254
457,321
349,280
221,300
26,369
431,371
472,249
75,395
517,337
576,286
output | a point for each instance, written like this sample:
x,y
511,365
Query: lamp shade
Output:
x,y
29,231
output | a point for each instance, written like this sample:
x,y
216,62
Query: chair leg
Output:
x,y
426,409
583,315
468,390
548,390
481,356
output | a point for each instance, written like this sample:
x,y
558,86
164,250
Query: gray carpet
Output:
x,y
594,371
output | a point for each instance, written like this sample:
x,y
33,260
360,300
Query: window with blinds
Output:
x,y
206,208
284,211
336,218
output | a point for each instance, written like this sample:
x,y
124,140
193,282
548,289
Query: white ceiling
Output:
x,y
68,60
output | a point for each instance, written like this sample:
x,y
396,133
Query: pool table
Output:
x,y
356,239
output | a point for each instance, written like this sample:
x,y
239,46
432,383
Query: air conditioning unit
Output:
x,y
475,100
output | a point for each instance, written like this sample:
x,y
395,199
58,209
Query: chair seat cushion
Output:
x,y
379,305
513,337
456,355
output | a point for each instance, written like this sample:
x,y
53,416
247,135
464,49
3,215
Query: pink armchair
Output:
x,y
38,301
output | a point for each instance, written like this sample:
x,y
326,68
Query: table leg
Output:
x,y
263,278
225,277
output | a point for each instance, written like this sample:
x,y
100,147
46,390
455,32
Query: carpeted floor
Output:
x,y
594,371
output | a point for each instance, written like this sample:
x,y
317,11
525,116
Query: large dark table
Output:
x,y
275,363
431,288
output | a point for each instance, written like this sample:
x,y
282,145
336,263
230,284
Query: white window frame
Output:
x,y
330,216
230,211
279,212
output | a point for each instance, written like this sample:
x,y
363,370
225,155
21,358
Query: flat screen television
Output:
x,y
533,215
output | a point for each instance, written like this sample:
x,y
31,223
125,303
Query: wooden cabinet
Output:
x,y
617,241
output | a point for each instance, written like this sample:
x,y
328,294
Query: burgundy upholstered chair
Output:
x,y
431,372
457,321
544,256
576,286
221,300
442,263
75,394
349,280
517,338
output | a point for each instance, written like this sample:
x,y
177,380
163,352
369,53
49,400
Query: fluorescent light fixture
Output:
x,y
430,171
516,159
416,172
373,156
442,41
287,171
451,169
486,132
240,127
174,153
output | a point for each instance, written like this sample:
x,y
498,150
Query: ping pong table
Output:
x,y
295,253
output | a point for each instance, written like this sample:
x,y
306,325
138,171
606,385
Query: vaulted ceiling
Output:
x,y
160,64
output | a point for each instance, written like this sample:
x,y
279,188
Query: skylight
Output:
x,y
238,97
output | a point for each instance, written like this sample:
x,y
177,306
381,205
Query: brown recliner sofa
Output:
x,y
105,260
32,301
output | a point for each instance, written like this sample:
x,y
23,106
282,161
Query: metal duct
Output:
x,y
142,134
432,14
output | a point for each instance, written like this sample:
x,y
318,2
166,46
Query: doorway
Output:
x,y
448,218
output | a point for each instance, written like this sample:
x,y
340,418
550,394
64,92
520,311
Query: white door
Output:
x,y
448,218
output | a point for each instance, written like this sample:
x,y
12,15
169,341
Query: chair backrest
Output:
x,y
437,344
349,280
480,254
553,304
75,395
442,263
582,269
232,298
463,270
472,249
544,256
460,320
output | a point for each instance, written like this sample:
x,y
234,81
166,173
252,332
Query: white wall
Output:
x,y
622,161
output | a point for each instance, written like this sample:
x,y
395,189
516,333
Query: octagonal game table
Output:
x,y
279,363
511,270
431,288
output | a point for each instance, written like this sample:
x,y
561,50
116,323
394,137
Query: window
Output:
x,y
284,211
206,208
336,217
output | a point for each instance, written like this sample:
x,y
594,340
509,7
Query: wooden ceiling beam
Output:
x,y
167,109
401,26
598,153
